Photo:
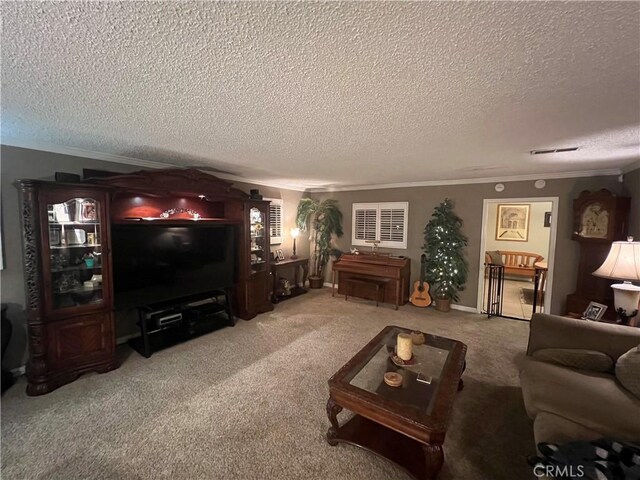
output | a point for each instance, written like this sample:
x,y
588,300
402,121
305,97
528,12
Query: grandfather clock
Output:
x,y
599,219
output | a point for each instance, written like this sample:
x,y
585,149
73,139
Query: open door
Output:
x,y
516,257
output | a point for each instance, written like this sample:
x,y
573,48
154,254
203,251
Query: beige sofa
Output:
x,y
578,403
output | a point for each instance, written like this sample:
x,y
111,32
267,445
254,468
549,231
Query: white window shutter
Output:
x,y
392,225
365,224
385,222
275,220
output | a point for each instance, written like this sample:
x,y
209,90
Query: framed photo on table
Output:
x,y
279,255
595,311
512,223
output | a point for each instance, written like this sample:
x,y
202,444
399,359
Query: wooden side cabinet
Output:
x,y
69,295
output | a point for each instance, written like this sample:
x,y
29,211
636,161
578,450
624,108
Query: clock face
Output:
x,y
594,221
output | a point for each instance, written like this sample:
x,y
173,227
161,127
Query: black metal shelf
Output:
x,y
199,314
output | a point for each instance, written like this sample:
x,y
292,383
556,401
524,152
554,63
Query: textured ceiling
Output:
x,y
328,94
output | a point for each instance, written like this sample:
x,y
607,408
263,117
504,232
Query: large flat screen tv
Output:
x,y
153,263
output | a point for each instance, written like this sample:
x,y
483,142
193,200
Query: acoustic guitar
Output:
x,y
420,296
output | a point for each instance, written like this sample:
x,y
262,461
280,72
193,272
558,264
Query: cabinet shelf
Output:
x,y
64,247
75,268
79,290
74,223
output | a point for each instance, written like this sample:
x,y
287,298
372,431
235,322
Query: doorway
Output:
x,y
517,250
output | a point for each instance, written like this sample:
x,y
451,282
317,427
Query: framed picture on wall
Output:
x,y
513,222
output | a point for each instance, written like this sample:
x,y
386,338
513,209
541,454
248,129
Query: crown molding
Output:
x,y
630,167
438,183
109,157
81,152
123,159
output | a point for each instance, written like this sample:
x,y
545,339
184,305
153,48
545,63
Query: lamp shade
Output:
x,y
622,263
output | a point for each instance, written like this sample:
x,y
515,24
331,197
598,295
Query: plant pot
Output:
x,y
443,304
316,282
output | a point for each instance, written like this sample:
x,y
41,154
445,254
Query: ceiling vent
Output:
x,y
553,150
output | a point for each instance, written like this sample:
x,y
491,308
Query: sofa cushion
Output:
x,y
576,358
594,400
628,371
551,428
495,257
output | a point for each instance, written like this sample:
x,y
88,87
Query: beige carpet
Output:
x,y
249,402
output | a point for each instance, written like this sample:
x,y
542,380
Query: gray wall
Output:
x,y
632,189
468,205
19,163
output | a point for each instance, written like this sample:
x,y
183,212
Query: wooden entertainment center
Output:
x,y
67,258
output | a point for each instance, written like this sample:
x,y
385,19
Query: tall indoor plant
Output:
x,y
324,219
445,262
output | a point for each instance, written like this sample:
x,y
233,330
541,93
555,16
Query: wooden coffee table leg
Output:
x,y
434,457
333,409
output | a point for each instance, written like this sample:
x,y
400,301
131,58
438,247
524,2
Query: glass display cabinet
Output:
x,y
252,294
69,298
259,247
75,253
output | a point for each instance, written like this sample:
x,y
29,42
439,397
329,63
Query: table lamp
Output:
x,y
294,234
623,263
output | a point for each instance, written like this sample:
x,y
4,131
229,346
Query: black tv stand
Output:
x,y
168,323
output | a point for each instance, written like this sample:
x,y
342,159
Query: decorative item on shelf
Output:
x,y
91,239
623,263
177,211
417,337
61,212
595,311
294,234
324,219
89,260
374,246
86,210
76,236
445,263
279,255
393,379
66,282
404,346
285,286
354,251
54,236
96,279
254,194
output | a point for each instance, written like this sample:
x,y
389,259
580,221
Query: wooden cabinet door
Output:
x,y
81,340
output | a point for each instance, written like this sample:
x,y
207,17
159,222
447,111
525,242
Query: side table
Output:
x,y
297,289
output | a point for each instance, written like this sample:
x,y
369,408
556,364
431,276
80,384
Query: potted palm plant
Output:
x,y
324,219
445,262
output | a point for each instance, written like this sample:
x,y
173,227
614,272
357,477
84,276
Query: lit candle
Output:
x,y
404,346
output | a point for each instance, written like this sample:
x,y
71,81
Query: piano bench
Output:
x,y
353,281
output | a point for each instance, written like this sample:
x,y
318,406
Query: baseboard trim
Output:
x,y
464,308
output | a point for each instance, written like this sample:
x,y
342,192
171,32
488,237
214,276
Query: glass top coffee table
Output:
x,y
405,424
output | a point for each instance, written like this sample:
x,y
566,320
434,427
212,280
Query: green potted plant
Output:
x,y
324,219
445,263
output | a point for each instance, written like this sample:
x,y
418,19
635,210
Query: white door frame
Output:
x,y
552,244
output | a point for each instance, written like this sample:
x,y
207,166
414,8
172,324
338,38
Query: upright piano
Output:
x,y
395,271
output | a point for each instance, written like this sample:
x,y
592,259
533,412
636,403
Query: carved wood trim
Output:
x,y
174,181
30,250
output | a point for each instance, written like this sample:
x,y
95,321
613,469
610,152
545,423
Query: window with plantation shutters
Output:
x,y
385,222
275,220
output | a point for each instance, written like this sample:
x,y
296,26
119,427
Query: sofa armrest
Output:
x,y
552,331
